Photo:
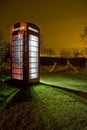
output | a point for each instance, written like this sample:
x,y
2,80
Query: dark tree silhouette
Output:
x,y
84,35
4,49
64,53
4,55
84,38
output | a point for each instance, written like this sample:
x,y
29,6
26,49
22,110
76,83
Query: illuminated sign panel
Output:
x,y
17,29
32,29
25,52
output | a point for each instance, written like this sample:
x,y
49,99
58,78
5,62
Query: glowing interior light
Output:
x,y
33,70
33,54
33,29
17,76
16,65
33,65
17,57
34,38
17,71
33,59
32,76
33,43
17,60
20,28
33,48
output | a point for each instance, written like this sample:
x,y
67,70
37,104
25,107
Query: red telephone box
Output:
x,y
25,52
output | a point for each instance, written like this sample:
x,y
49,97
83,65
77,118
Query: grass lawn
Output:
x,y
58,102
6,94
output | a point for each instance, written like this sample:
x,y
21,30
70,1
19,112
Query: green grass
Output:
x,y
61,109
6,94
66,80
58,102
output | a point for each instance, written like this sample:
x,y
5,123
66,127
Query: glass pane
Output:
x,y
33,43
33,48
33,76
14,59
32,65
33,70
17,76
32,37
33,59
33,54
17,71
16,65
17,56
17,39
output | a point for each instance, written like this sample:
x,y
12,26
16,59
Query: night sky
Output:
x,y
61,21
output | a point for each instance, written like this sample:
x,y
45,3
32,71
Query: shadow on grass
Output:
x,y
26,93
22,95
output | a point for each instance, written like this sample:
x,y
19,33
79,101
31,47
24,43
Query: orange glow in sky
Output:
x,y
61,22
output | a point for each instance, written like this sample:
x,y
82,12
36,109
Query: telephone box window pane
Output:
x,y
16,65
33,54
14,59
21,42
15,43
33,70
17,71
32,65
34,38
33,43
17,57
33,76
17,37
33,59
17,48
17,54
17,76
33,48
